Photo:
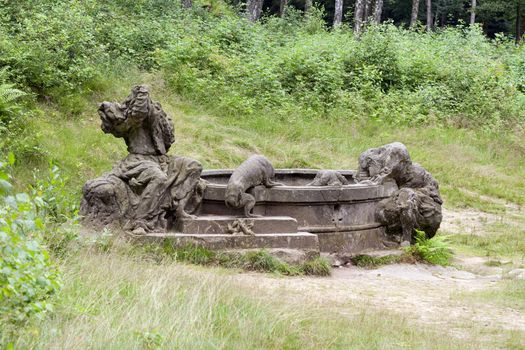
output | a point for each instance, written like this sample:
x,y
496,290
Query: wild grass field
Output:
x,y
110,300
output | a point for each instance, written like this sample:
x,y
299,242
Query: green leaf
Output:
x,y
11,158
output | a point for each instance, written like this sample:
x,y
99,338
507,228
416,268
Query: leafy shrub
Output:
x,y
281,67
455,76
12,115
54,201
434,250
27,276
52,47
9,108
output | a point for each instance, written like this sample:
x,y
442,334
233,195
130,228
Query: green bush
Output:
x,y
51,48
291,67
434,250
11,112
27,276
54,201
455,76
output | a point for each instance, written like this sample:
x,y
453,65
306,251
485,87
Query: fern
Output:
x,y
9,97
434,250
8,94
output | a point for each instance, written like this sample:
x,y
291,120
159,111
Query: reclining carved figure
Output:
x,y
417,202
148,187
328,178
255,171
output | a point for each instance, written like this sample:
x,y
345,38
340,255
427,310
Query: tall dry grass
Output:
x,y
110,301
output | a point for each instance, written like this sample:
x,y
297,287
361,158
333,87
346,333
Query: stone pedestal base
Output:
x,y
295,248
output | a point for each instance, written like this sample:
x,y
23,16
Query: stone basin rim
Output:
x,y
295,189
289,171
283,171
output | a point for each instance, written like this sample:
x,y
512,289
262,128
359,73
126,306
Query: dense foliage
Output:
x,y
455,76
27,276
291,67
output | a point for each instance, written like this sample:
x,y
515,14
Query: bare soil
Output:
x,y
425,294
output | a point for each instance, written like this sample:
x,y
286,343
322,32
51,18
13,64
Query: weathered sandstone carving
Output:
x,y
148,188
328,178
417,202
241,227
376,164
255,171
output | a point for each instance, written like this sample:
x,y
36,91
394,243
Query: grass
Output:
x,y
256,260
509,297
507,294
501,240
481,163
112,302
115,301
371,262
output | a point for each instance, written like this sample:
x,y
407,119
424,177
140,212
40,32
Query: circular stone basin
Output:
x,y
345,214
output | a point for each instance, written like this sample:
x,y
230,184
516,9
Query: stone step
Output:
x,y
218,224
350,243
299,240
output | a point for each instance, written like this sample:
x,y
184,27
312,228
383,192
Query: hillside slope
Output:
x,y
475,169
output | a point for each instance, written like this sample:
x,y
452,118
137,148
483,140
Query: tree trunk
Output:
x,y
473,12
187,4
282,7
519,21
415,13
378,11
338,15
307,5
368,7
429,15
358,15
254,9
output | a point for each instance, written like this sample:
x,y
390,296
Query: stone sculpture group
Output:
x,y
147,188
417,203
150,191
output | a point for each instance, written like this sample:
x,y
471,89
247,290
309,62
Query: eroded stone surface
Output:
x,y
218,224
299,240
255,171
329,178
417,203
148,188
342,216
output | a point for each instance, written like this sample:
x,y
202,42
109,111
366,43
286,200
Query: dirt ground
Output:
x,y
432,295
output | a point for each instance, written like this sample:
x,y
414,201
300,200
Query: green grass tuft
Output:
x,y
257,260
317,267
370,262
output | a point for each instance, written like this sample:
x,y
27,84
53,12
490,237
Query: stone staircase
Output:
x,y
276,234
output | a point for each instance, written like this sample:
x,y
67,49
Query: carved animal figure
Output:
x,y
376,164
241,227
328,178
417,202
255,171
